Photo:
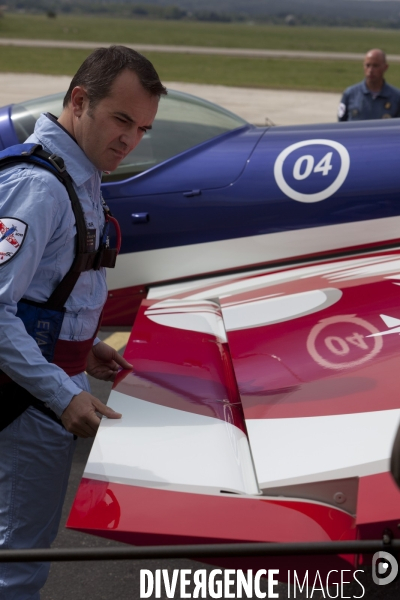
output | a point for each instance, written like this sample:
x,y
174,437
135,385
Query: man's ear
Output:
x,y
79,100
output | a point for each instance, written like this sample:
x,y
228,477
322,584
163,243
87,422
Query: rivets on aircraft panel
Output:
x,y
339,498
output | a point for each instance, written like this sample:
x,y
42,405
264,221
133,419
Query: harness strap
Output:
x,y
62,292
72,356
83,261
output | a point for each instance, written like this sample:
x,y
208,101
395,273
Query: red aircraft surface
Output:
x,y
261,406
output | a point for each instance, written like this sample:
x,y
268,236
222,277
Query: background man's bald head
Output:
x,y
375,66
376,53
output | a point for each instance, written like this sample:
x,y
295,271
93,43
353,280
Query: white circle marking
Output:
x,y
353,320
331,189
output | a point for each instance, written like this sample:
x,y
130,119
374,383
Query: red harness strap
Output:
x,y
69,356
72,356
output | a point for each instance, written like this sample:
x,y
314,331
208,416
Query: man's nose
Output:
x,y
130,140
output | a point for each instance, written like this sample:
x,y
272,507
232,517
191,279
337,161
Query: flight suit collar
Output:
x,y
384,92
57,140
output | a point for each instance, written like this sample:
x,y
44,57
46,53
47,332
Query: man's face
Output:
x,y
116,124
374,68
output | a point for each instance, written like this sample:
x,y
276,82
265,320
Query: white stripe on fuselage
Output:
x,y
137,268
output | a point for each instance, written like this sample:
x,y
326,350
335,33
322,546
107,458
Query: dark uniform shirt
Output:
x,y
359,103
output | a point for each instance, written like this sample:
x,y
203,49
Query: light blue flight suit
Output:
x,y
36,452
358,103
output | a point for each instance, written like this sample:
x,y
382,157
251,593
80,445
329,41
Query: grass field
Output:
x,y
230,35
264,73
218,70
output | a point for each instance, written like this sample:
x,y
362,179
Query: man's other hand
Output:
x,y
104,362
80,416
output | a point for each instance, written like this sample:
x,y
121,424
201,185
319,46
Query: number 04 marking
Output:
x,y
304,166
324,166
340,347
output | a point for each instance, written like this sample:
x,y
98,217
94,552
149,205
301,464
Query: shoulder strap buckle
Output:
x,y
57,162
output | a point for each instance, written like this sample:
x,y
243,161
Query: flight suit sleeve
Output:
x,y
27,199
342,113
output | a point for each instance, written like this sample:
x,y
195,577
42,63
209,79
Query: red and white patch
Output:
x,y
12,235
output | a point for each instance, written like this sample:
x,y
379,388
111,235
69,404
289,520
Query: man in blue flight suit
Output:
x,y
112,101
372,98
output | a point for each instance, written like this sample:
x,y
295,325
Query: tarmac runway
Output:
x,y
258,106
182,49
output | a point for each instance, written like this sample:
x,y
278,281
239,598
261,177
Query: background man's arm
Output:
x,y
343,113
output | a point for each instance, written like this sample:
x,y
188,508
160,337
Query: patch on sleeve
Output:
x,y
341,110
12,236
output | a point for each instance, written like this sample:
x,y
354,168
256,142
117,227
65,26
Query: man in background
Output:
x,y
372,98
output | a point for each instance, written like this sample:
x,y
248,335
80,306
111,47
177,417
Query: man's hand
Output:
x,y
80,416
104,362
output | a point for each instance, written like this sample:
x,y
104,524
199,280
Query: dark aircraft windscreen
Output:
x,y
182,122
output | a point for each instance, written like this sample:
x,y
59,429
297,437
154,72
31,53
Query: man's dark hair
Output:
x,y
99,70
